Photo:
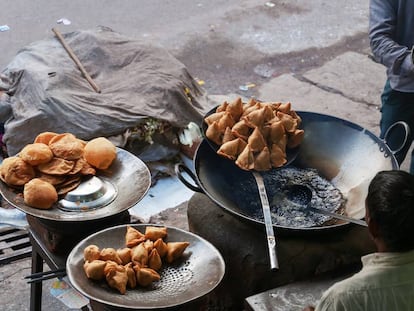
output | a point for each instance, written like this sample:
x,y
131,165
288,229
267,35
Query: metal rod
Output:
x,y
76,60
37,274
47,277
338,216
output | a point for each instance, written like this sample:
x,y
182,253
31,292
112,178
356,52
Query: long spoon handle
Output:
x,y
338,216
271,240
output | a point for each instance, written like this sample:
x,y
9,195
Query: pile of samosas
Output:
x,y
136,264
255,134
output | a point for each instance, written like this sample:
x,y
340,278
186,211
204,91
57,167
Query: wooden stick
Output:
x,y
76,60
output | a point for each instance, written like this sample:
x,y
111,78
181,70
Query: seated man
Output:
x,y
386,281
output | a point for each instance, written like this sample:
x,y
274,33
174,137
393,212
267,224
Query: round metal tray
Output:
x,y
128,175
198,272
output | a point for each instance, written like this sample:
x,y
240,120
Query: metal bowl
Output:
x,y
114,190
92,193
199,271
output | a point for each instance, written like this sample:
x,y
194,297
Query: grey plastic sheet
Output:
x,y
45,91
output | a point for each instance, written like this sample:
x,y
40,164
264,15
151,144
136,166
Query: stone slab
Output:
x,y
356,76
309,97
292,297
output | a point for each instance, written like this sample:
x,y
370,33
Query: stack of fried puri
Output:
x,y
136,264
53,165
255,135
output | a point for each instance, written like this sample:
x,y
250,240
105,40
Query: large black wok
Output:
x,y
342,152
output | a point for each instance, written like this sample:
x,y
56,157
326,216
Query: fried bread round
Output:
x,y
56,166
36,154
45,137
70,184
77,168
52,179
87,169
39,194
66,146
14,171
100,152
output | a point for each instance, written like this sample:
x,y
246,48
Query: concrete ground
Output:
x,y
315,55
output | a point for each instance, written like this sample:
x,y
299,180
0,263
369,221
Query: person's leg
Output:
x,y
397,106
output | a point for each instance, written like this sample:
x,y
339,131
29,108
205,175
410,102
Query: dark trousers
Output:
x,y
397,106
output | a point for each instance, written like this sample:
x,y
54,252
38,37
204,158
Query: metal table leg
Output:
x,y
36,288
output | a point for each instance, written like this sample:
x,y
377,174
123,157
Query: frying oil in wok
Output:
x,y
286,213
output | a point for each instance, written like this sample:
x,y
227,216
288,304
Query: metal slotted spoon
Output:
x,y
301,196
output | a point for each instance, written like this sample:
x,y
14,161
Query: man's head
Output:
x,y
390,210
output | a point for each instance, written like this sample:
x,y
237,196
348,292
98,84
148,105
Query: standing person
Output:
x,y
386,281
391,34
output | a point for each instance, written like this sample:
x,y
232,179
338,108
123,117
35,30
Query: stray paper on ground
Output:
x,y
67,295
63,21
4,28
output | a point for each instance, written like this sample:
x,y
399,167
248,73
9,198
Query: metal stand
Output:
x,y
40,254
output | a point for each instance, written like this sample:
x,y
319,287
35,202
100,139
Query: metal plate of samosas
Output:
x,y
128,175
199,270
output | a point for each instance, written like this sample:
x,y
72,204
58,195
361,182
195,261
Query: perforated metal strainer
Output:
x,y
198,272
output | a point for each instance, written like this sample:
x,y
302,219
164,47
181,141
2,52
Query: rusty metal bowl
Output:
x,y
198,272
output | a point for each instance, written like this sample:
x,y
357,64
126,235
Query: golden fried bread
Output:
x,y
39,194
52,179
87,169
70,184
66,146
45,137
54,160
36,154
77,168
56,166
100,152
14,171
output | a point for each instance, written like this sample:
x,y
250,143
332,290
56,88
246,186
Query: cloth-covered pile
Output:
x,y
45,91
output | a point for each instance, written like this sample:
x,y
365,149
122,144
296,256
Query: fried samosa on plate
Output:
x,y
232,149
213,133
132,279
295,138
154,233
277,156
139,254
235,108
175,250
262,160
133,237
145,276
161,247
154,260
241,129
245,160
91,253
116,276
124,254
256,140
95,269
111,254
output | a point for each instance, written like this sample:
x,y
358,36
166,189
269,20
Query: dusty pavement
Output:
x,y
315,55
